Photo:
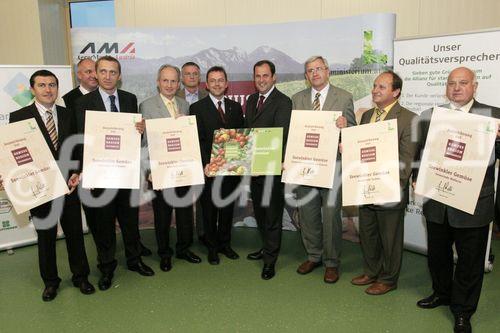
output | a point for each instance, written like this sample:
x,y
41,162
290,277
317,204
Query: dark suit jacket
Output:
x,y
66,127
276,112
434,211
93,101
208,120
71,97
406,148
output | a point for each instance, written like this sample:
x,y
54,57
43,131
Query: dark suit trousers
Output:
x,y
218,220
268,204
381,233
163,217
464,287
101,220
71,223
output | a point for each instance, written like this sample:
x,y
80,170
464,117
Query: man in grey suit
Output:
x,y
459,288
165,105
191,90
192,93
320,217
381,226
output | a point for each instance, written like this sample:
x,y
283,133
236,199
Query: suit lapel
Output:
x,y
394,113
330,99
307,102
162,109
267,102
98,102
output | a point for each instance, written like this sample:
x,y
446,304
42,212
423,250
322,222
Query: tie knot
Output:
x,y
261,98
318,95
112,98
219,103
49,112
379,111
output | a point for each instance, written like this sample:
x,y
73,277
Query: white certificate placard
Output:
x,y
311,149
31,176
370,164
455,158
174,152
112,150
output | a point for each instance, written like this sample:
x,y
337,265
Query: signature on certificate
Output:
x,y
444,187
37,189
368,190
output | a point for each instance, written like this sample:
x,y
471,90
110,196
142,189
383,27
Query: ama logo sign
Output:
x,y
119,51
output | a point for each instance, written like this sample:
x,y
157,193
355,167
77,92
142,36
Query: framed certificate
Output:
x,y
456,155
370,164
173,152
31,176
246,151
311,150
112,150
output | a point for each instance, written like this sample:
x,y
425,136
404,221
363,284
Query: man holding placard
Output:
x,y
459,288
381,225
56,124
320,217
167,105
268,108
124,205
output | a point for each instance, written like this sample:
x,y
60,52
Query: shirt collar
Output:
x,y
83,90
266,95
323,91
388,107
465,108
42,109
105,95
215,100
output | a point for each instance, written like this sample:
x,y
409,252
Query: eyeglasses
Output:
x,y
195,74
314,70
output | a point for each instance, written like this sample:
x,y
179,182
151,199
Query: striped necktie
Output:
x,y
316,104
379,114
51,128
172,109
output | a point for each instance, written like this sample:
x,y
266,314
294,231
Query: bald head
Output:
x,y
86,74
461,86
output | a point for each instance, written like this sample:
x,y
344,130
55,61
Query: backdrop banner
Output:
x,y
357,49
424,64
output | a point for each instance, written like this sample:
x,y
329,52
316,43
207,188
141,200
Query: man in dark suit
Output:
x,y
214,112
124,206
268,108
192,93
321,218
459,288
56,124
381,226
166,105
88,82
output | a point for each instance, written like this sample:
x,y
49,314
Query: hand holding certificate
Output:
x,y
456,155
29,172
312,146
370,164
112,150
174,159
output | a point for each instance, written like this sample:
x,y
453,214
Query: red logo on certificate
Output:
x,y
368,154
112,142
455,150
174,144
312,140
22,156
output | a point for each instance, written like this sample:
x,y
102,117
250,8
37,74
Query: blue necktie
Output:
x,y
113,105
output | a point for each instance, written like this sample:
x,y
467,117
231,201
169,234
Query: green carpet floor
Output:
x,y
230,297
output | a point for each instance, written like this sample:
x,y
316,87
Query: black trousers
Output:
x,y
102,220
162,209
71,223
463,287
268,203
218,220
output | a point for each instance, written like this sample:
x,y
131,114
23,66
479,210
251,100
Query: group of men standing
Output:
x,y
381,226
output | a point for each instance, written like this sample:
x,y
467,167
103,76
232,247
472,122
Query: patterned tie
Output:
x,y
379,114
113,105
51,128
172,109
221,112
316,104
260,104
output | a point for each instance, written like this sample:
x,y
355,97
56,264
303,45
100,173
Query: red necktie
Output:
x,y
260,104
221,112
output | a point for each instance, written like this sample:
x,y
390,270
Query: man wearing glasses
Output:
x,y
320,216
191,91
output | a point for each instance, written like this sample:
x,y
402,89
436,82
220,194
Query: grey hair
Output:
x,y
162,67
314,58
